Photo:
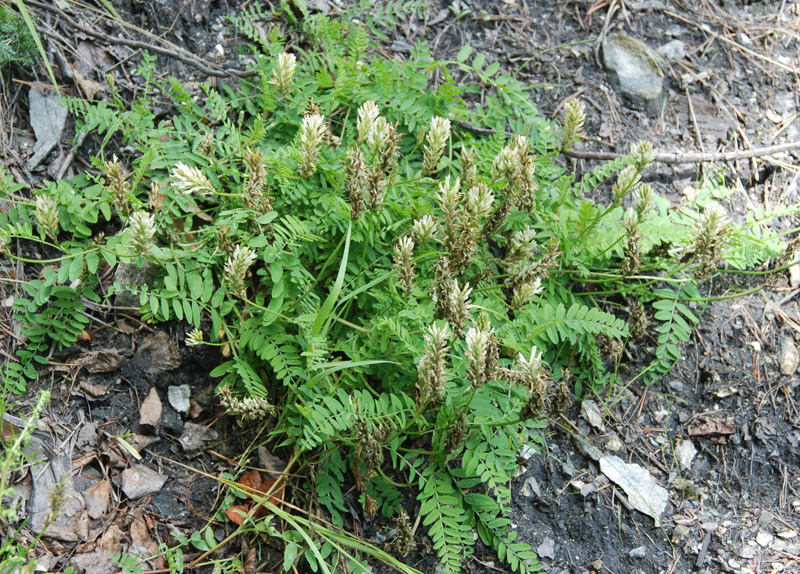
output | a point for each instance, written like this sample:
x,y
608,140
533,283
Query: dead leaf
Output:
x,y
158,354
139,481
237,513
94,391
104,361
151,409
97,562
643,493
718,429
269,461
96,498
124,327
89,87
195,409
111,540
195,437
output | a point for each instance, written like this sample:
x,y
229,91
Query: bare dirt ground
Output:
x,y
725,411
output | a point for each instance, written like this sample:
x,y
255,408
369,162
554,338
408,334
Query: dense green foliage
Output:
x,y
401,299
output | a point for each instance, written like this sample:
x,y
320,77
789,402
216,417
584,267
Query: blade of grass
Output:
x,y
330,301
26,17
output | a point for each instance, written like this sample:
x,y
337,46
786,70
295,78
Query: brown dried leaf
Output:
x,y
718,429
94,391
96,498
104,361
151,409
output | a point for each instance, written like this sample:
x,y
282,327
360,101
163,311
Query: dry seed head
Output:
x,y
436,139
188,180
142,230
404,263
424,228
710,237
355,182
367,114
246,408
312,133
236,267
574,117
283,73
118,186
459,306
46,213
524,292
644,198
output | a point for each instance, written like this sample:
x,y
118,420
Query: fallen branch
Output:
x,y
692,157
662,157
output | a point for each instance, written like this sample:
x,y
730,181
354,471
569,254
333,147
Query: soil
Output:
x,y
735,507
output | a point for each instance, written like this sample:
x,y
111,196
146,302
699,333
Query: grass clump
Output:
x,y
402,302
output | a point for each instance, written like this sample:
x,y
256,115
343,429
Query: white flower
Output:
x,y
236,268
284,72
424,228
367,114
194,338
188,180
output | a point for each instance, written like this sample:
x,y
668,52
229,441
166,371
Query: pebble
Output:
x,y
763,539
637,71
685,453
789,358
178,396
614,444
638,552
674,50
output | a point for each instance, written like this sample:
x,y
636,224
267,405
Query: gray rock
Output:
x,y
636,71
178,397
685,453
591,412
129,275
674,50
638,552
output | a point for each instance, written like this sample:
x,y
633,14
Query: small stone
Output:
x,y
677,386
789,358
530,488
638,552
685,453
787,534
674,50
763,539
637,71
590,411
178,397
527,452
614,443
547,548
